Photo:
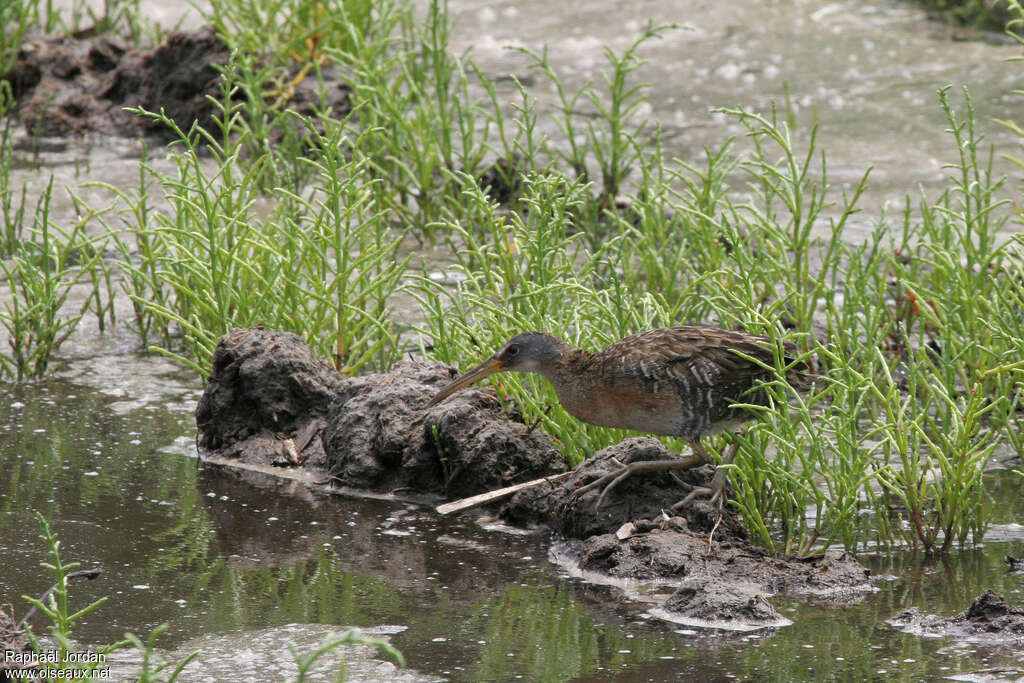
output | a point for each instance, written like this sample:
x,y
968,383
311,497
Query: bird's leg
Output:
x,y
716,489
613,479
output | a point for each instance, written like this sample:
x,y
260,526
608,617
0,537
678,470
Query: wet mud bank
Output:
x,y
989,620
269,401
271,406
65,86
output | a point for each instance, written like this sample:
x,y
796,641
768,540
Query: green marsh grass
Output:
x,y
323,264
916,328
613,137
12,210
15,19
296,31
40,274
79,18
140,257
411,97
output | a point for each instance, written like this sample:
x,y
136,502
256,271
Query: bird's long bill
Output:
x,y
488,367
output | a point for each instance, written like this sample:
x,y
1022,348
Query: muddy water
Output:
x,y
239,568
105,450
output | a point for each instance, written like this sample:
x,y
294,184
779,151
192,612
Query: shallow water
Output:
x,y
229,563
867,72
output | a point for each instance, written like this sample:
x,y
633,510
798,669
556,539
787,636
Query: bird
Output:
x,y
681,381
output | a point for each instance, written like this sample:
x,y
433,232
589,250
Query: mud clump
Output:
x,y
725,606
725,583
266,387
380,437
636,535
269,400
179,77
66,86
989,619
680,553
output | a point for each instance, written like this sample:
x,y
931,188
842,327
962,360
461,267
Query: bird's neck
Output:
x,y
571,378
569,369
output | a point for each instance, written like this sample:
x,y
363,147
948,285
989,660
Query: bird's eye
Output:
x,y
512,350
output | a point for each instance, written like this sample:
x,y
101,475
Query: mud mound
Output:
x,y
177,77
669,550
382,439
270,400
989,619
708,603
724,579
264,387
643,495
66,86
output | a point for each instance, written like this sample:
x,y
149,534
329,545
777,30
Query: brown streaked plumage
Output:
x,y
673,381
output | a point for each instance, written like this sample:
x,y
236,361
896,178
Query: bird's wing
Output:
x,y
694,358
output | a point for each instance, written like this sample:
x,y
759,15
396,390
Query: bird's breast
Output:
x,y
643,407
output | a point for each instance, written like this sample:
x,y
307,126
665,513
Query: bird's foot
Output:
x,y
613,479
715,490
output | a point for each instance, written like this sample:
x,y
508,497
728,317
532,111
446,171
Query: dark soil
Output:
x,y
726,582
502,181
380,438
270,401
678,553
66,86
726,606
265,399
989,619
640,496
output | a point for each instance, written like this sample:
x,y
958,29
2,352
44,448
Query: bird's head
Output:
x,y
525,352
